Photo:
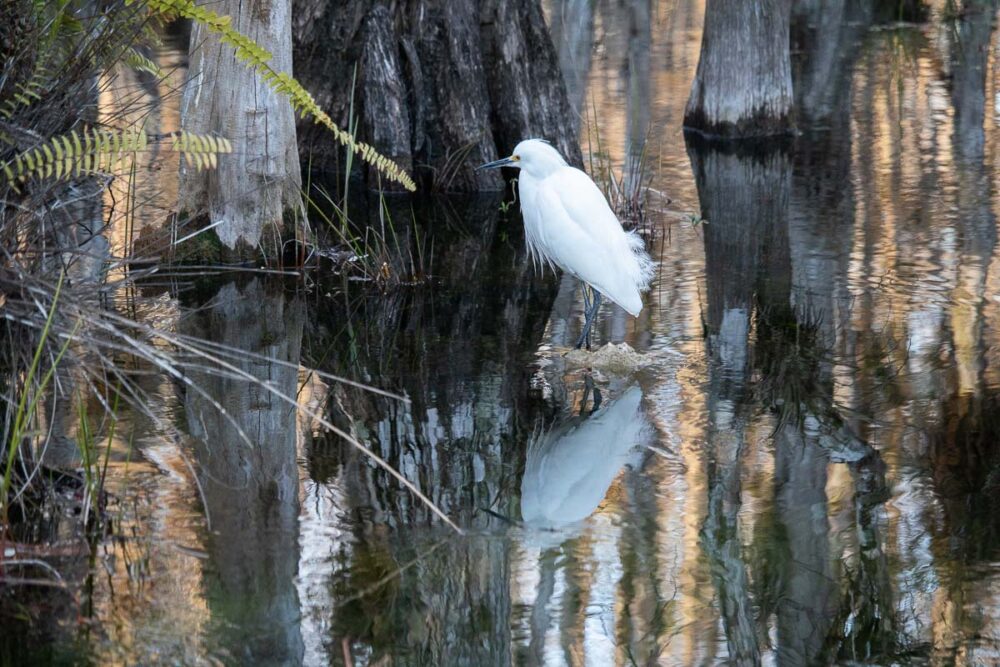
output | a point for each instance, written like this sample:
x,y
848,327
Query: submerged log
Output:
x,y
439,87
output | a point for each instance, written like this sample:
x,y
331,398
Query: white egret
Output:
x,y
568,223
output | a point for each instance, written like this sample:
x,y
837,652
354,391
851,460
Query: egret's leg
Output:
x,y
593,315
586,307
589,321
590,389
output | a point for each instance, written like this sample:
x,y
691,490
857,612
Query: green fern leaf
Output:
x,y
27,93
141,63
93,151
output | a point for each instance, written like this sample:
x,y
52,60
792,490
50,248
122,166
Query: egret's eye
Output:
x,y
516,158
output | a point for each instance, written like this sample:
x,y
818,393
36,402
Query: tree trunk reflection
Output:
x,y
572,27
772,267
744,197
250,484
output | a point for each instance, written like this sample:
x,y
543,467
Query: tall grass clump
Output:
x,y
358,233
627,192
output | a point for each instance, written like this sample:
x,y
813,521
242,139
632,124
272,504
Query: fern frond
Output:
x,y
97,151
27,93
256,57
141,63
202,150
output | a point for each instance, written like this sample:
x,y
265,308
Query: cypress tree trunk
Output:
x,y
439,87
259,183
527,93
743,85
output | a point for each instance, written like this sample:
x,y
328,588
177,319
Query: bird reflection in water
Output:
x,y
570,467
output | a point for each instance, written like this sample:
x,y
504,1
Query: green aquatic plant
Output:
x,y
506,205
33,388
373,253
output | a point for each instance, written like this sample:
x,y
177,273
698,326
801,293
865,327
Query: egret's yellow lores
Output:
x,y
568,223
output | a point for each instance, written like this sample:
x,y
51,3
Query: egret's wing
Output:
x,y
586,205
581,238
565,242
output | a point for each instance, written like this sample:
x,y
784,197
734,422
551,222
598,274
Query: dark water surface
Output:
x,y
805,470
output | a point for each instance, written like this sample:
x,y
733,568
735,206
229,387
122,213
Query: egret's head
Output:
x,y
534,156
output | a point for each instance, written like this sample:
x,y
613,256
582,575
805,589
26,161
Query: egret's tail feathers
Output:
x,y
636,273
644,265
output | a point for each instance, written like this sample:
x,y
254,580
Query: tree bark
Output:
x,y
527,93
743,85
259,183
438,87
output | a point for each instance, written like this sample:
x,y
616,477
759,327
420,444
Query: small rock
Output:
x,y
611,358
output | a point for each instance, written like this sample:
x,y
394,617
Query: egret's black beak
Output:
x,y
497,163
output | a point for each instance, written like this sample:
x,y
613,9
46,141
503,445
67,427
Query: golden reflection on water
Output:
x,y
144,196
918,283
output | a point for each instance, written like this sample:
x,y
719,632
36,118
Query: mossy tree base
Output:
x,y
205,247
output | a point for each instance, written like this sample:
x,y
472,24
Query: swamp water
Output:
x,y
805,469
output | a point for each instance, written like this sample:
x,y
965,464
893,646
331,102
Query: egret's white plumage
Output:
x,y
568,223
